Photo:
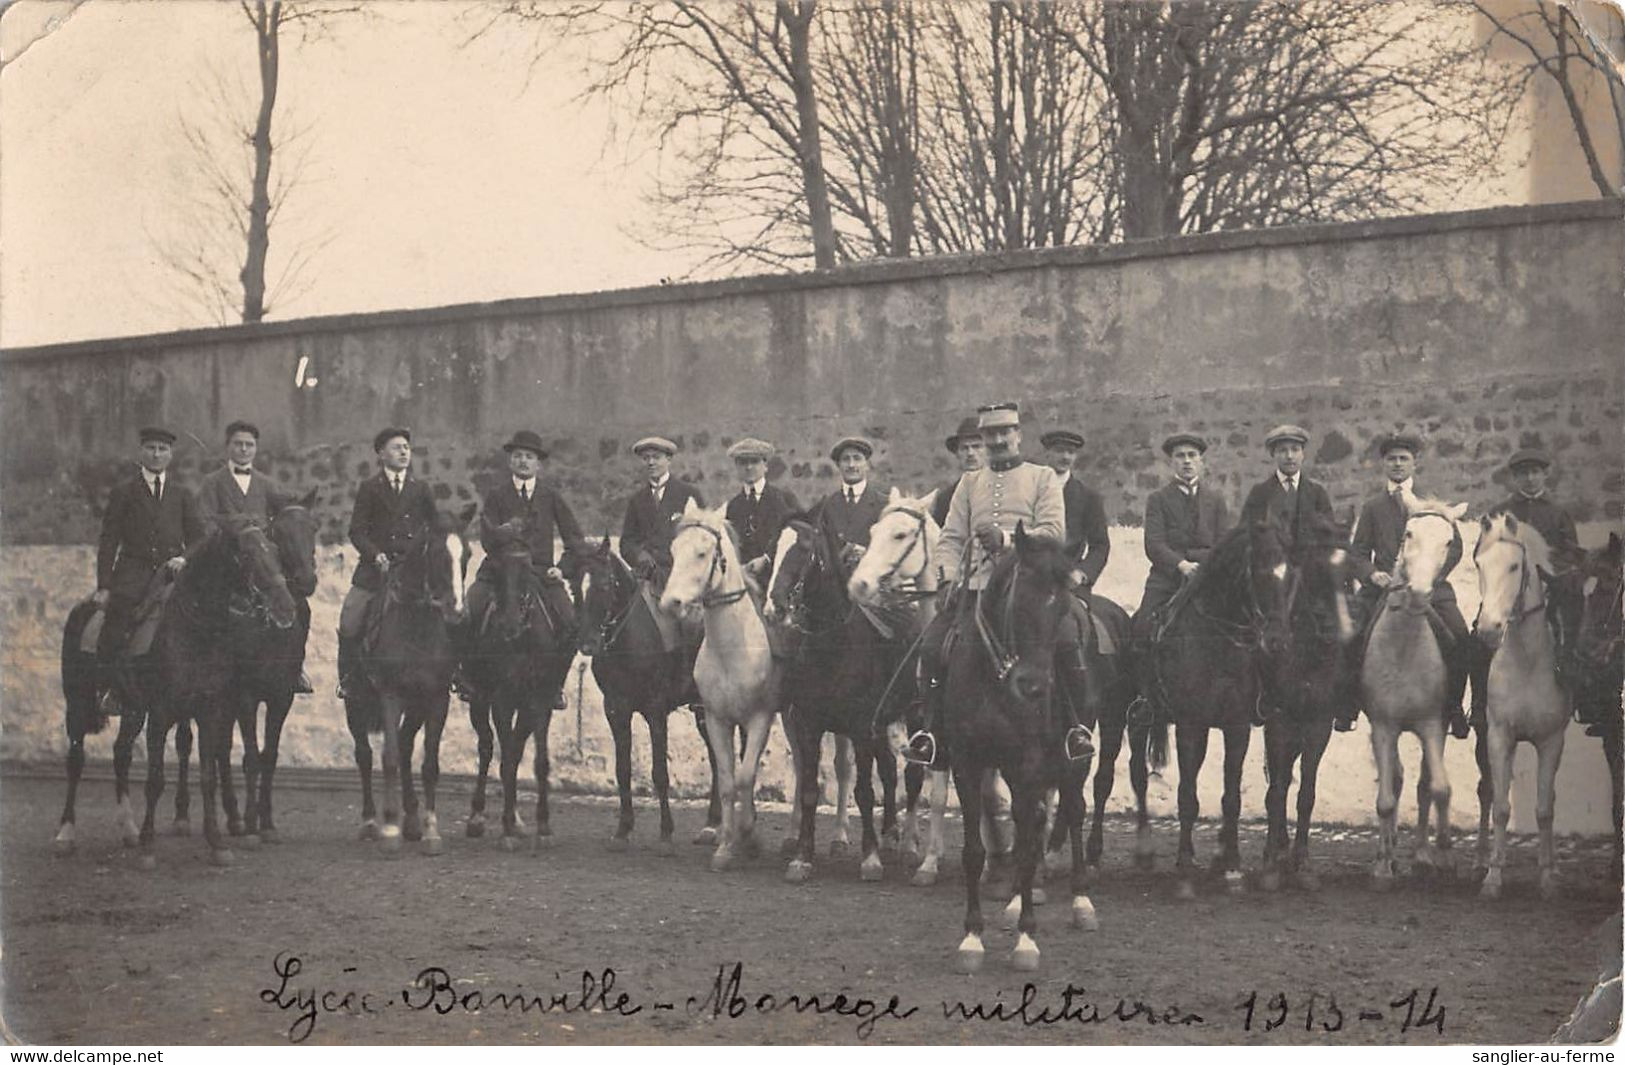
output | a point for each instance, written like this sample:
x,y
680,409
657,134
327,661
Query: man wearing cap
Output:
x,y
392,509
1184,520
150,524
1086,536
654,510
982,518
238,488
847,513
1373,554
1288,498
1530,503
520,513
758,510
965,445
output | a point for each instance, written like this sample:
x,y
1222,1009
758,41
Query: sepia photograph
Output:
x,y
811,522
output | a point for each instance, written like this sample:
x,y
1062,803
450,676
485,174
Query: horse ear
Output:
x,y
308,500
690,508
1456,512
893,496
468,513
1512,523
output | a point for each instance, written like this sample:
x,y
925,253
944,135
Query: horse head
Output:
x,y
293,532
799,556
1322,582
1512,559
1602,623
603,591
1430,548
514,579
902,543
442,562
259,572
705,566
1023,605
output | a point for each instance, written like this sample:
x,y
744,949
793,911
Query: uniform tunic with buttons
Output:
x,y
1024,493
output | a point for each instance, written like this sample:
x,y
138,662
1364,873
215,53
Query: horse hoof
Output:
x,y
62,846
1382,883
666,848
222,857
412,829
750,848
433,845
1491,890
541,841
789,847
1234,882
797,872
721,862
510,843
840,848
872,871
1084,917
706,837
1024,959
1270,880
389,839
183,827
1186,891
1057,861
250,842
475,828
923,877
618,844
270,835
1550,887
971,954
1011,914
147,862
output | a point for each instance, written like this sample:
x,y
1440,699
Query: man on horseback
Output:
x,y
392,510
982,518
150,524
1529,469
759,510
1288,499
237,488
521,514
966,446
1374,552
847,513
653,512
1086,535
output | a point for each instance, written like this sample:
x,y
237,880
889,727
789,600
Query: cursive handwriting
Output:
x,y
1073,1008
726,998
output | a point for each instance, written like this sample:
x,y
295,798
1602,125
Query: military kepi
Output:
x,y
1286,434
1183,439
386,435
751,449
527,440
654,443
1529,456
1062,438
1400,441
847,442
998,416
156,433
967,427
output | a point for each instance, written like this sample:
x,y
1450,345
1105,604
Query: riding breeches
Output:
x,y
353,612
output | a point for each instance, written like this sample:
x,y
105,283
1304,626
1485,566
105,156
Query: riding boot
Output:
x,y
1457,668
922,746
1078,702
1479,670
111,703
1346,693
346,666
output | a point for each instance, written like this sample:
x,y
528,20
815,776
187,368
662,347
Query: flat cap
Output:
x,y
1295,434
967,427
161,435
1529,456
386,435
528,441
654,443
1396,441
749,449
1062,438
1179,439
998,415
848,442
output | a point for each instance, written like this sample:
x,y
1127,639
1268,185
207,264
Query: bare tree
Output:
x,y
1578,47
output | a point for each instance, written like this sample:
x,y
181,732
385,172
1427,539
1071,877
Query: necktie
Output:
x,y
851,498
242,471
396,481
524,493
750,495
158,488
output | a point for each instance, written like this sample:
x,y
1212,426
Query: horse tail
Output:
x,y
1156,747
83,712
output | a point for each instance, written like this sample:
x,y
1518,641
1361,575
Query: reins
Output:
x,y
719,566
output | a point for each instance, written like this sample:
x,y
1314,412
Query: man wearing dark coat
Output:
x,y
654,510
1288,499
150,524
759,510
847,513
393,509
1086,534
968,447
1184,521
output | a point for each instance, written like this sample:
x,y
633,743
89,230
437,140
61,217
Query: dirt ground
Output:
x,y
97,951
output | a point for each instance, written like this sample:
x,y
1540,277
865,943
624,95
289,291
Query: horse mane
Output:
x,y
1225,560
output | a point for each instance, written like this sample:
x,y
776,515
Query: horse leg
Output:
x,y
1502,748
843,762
1027,811
65,836
913,786
183,791
886,769
129,728
1316,735
433,728
1083,910
1192,743
510,752
660,770
214,753
1441,855
620,727
247,727
1614,751
713,805
356,719
1139,777
936,832
1486,793
1385,750
968,782
756,732
719,741
389,834
1550,754
1425,856
805,748
1279,755
1236,740
479,716
276,715
1111,745
157,737
540,724
790,846
411,820
871,869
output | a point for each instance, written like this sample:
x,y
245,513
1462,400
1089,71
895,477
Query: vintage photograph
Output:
x,y
925,522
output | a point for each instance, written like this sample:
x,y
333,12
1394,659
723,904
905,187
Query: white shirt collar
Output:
x,y
755,486
525,484
1404,486
660,484
856,490
1187,486
1065,477
1288,482
150,476
1538,495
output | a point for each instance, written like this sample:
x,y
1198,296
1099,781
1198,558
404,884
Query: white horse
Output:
x,y
736,673
1403,682
1524,702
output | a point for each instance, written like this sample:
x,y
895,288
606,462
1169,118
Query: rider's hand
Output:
x,y
1187,568
382,562
175,565
757,566
944,590
1080,580
1381,579
554,573
990,536
101,596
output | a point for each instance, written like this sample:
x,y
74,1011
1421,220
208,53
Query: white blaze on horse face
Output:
x,y
454,553
787,540
586,585
1423,551
1279,572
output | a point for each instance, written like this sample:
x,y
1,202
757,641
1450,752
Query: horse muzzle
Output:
x,y
1491,635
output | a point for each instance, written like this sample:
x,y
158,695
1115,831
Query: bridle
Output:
x,y
614,623
1522,613
1247,634
395,590
719,568
908,588
1000,645
1614,618
254,605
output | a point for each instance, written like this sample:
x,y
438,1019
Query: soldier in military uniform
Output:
x,y
654,510
847,513
758,510
1530,503
1183,523
1374,552
1086,535
236,488
522,510
150,524
1288,499
984,513
392,509
965,445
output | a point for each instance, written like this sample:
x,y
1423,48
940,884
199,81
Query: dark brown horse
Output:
x,y
1600,654
406,662
517,662
1206,670
1302,686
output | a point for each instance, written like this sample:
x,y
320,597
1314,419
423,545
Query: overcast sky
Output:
x,y
441,175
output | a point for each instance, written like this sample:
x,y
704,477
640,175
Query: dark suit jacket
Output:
x,y
1086,528
1267,502
219,496
1554,523
759,524
140,533
1375,543
648,527
543,514
945,496
847,522
384,522
1178,530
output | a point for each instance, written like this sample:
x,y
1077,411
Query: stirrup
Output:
x,y
302,686
921,749
1079,745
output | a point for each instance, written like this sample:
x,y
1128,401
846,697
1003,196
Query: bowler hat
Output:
x,y
386,435
847,442
1180,439
967,427
1282,434
153,432
527,440
1062,438
1396,441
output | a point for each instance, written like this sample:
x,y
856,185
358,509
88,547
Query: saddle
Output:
x,y
671,635
148,614
90,639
